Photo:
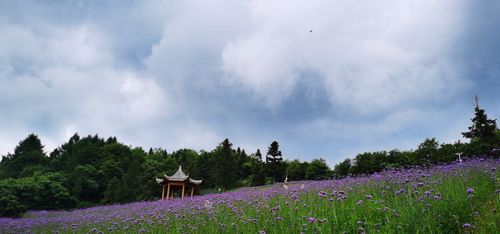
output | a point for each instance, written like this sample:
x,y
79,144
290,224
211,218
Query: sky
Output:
x,y
324,78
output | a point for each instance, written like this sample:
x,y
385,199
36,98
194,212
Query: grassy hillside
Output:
x,y
454,198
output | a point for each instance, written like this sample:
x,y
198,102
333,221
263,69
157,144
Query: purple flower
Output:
x,y
369,196
262,232
400,191
467,225
311,220
470,190
360,202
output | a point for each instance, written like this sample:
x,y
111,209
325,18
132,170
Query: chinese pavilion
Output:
x,y
180,180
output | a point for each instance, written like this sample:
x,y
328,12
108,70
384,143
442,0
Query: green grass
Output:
x,y
445,210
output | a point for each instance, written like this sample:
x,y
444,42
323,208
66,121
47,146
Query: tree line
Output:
x,y
483,134
89,171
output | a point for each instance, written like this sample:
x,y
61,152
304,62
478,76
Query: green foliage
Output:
x,y
342,169
225,166
43,192
28,156
84,183
10,205
367,163
258,155
317,170
482,129
273,162
427,151
296,170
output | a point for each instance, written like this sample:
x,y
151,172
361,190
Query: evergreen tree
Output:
x,y
273,161
258,155
224,170
28,157
482,129
31,143
273,153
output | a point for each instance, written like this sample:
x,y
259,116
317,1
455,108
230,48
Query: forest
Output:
x,y
91,170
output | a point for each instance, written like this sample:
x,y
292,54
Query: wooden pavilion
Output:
x,y
180,180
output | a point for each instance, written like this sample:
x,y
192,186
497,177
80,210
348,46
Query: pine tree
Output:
x,y
273,160
258,155
273,153
224,170
28,156
31,143
482,128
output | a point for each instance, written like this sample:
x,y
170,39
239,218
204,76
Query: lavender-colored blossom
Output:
x,y
470,190
400,191
467,225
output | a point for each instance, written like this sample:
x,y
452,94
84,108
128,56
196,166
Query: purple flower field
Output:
x,y
454,198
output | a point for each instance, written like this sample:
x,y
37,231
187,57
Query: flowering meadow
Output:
x,y
462,197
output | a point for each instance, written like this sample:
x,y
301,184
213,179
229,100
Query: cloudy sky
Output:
x,y
325,78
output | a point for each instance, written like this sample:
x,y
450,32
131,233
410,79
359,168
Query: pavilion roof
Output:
x,y
180,176
197,182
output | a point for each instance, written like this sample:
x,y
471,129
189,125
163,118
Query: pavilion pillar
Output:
x,y
168,190
163,193
183,186
192,190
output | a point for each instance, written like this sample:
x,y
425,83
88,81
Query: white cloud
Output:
x,y
82,46
188,54
371,56
32,48
63,80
